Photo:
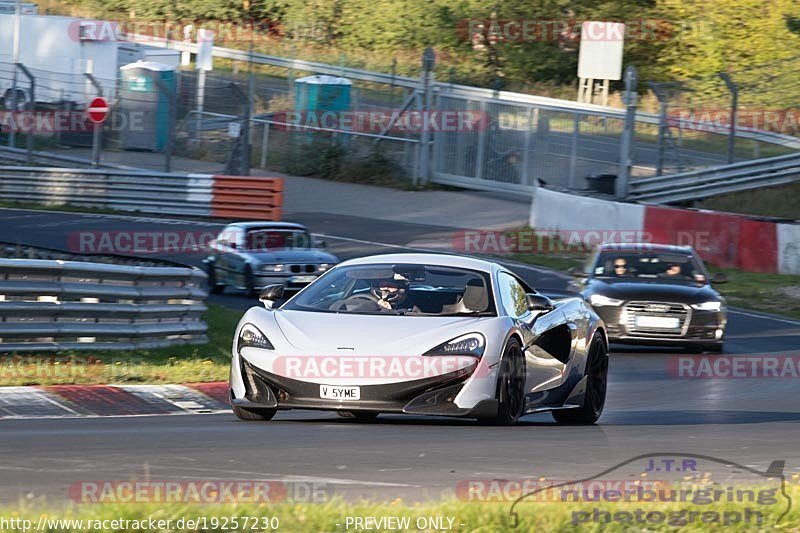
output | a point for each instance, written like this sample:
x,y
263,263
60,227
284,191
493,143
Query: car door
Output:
x,y
226,246
548,337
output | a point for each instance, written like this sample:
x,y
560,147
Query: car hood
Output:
x,y
304,255
655,290
339,333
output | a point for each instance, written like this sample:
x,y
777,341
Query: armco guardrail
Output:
x,y
704,183
20,155
57,304
203,195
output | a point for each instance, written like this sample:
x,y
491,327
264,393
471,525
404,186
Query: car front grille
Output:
x,y
307,269
657,310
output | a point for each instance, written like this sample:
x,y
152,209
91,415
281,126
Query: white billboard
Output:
x,y
600,55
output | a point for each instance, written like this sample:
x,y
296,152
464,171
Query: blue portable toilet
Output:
x,y
144,106
321,93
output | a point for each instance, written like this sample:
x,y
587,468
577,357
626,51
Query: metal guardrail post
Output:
x,y
628,134
97,132
734,105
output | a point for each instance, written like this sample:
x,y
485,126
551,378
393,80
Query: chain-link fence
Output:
x,y
509,141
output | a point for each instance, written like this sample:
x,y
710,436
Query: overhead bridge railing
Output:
x,y
704,183
56,304
202,195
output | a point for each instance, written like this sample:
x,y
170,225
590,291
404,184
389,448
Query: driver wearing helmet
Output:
x,y
391,293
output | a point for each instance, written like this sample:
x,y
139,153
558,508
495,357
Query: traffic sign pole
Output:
x,y
97,113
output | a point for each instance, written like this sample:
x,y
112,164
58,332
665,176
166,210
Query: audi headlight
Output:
x,y
470,344
708,306
251,336
600,300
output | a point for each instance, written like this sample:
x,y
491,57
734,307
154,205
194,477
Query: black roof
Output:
x,y
646,246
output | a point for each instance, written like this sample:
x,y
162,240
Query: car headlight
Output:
x,y
708,306
273,268
251,336
600,300
469,344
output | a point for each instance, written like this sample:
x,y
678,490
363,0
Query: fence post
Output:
x,y
734,104
428,62
526,147
573,155
264,145
629,129
32,97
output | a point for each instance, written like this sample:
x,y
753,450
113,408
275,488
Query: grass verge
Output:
x,y
179,364
451,515
781,202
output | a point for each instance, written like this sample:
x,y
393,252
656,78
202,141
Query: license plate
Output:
x,y
661,322
302,279
330,392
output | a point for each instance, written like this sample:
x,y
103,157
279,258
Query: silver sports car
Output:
x,y
421,334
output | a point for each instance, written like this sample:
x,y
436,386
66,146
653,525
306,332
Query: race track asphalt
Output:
x,y
748,421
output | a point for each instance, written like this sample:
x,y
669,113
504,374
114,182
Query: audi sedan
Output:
x,y
251,255
654,294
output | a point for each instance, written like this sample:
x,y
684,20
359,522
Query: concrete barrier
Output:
x,y
723,239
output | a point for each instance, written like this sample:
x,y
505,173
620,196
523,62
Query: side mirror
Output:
x,y
576,272
270,294
719,277
232,245
538,302
320,243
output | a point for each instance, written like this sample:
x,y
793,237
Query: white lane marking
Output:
x,y
277,477
765,316
139,218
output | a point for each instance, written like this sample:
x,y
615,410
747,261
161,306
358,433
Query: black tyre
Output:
x,y
359,415
213,286
510,385
253,414
596,383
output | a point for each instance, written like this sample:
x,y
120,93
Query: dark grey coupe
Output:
x,y
654,294
251,255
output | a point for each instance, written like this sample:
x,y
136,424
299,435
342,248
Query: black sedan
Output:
x,y
654,294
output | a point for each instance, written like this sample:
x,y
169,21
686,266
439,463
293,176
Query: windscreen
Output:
x,y
271,239
649,265
405,289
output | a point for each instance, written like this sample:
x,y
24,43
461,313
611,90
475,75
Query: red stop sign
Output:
x,y
98,110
